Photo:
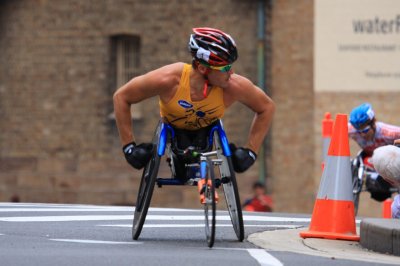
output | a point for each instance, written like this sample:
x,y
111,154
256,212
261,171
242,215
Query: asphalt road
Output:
x,y
49,234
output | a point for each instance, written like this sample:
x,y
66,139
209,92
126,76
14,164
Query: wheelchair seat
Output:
x,y
183,144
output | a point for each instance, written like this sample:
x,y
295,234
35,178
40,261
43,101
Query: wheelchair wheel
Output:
x,y
210,204
231,191
233,201
146,188
357,186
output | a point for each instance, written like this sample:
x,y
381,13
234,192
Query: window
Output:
x,y
126,60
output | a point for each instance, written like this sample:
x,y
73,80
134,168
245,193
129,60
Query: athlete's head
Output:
x,y
213,48
362,116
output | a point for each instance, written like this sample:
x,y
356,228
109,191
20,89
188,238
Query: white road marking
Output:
x,y
264,258
61,210
202,225
149,217
66,218
90,209
261,255
96,241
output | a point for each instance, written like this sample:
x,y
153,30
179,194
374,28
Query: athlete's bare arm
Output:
x,y
162,82
243,90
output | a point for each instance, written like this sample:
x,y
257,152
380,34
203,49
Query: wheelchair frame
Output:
x,y
162,138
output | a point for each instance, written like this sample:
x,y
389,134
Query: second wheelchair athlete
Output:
x,y
369,135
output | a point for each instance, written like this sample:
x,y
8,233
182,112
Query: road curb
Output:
x,y
289,240
381,235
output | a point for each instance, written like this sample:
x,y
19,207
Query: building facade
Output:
x,y
62,61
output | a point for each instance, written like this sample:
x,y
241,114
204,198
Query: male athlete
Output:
x,y
194,96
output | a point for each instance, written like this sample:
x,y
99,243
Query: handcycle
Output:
x,y
199,170
364,178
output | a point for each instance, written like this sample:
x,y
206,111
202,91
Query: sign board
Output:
x,y
357,45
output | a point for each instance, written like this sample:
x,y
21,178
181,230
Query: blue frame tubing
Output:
x,y
166,128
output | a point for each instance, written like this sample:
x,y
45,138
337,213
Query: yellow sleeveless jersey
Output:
x,y
181,112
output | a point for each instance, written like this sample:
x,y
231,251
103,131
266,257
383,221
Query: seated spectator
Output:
x,y
260,202
386,160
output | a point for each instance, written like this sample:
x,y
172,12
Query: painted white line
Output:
x,y
245,249
95,242
65,210
202,225
67,218
149,217
7,207
91,209
55,205
264,258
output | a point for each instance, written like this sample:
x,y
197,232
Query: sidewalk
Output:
x,y
376,234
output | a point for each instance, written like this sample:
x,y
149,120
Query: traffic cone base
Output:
x,y
327,235
338,222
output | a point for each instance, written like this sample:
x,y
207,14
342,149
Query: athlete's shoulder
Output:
x,y
388,126
171,70
239,87
388,130
168,75
239,81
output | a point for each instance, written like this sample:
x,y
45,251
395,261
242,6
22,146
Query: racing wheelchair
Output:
x,y
209,164
365,178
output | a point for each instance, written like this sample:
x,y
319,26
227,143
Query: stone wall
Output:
x,y
292,90
57,143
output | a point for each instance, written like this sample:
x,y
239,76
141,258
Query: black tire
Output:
x,y
357,187
146,188
210,204
233,201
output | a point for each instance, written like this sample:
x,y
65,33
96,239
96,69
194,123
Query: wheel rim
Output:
x,y
210,205
357,187
209,212
144,195
146,188
231,192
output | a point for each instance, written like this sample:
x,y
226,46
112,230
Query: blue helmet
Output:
x,y
361,115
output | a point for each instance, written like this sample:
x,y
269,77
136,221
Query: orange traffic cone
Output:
x,y
327,126
333,215
387,209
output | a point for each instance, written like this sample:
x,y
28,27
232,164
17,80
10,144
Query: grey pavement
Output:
x,y
379,242
48,234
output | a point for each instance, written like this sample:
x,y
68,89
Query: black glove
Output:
x,y
138,155
242,158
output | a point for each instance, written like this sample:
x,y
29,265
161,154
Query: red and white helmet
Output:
x,y
212,46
